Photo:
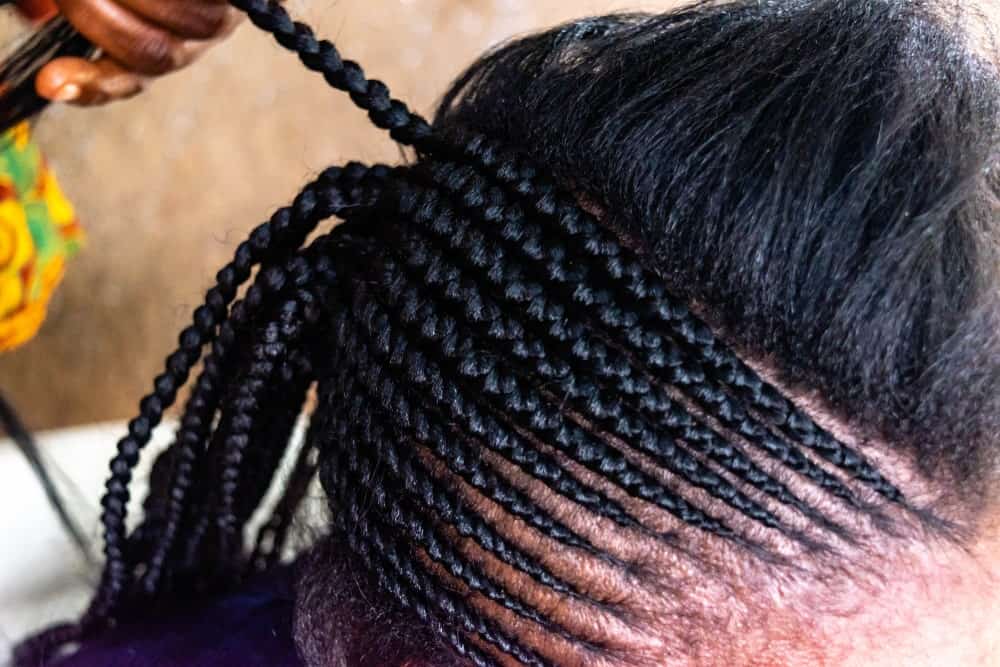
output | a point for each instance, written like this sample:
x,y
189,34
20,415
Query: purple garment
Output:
x,y
249,628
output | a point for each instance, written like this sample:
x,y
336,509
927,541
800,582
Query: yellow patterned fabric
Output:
x,y
38,233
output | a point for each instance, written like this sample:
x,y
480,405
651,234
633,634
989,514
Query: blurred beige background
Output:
x,y
168,183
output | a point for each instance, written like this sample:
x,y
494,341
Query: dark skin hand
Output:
x,y
139,40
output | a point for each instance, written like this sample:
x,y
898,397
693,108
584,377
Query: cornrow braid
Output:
x,y
426,429
490,259
546,198
425,596
426,374
436,496
612,312
526,409
402,575
504,439
428,266
373,449
525,181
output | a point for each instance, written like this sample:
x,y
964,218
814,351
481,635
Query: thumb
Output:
x,y
85,82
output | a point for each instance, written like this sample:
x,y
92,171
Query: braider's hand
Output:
x,y
139,39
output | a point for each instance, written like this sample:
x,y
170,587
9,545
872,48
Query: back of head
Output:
x,y
676,344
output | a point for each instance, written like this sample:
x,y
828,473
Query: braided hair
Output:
x,y
475,337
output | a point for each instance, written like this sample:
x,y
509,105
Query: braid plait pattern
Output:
x,y
471,333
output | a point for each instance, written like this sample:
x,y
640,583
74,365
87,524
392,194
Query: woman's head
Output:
x,y
535,451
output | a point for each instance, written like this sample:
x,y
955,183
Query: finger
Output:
x,y
87,83
191,49
192,19
135,43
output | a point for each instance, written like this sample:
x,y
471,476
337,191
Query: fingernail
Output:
x,y
67,93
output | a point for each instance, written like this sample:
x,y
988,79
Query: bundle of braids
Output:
x,y
468,326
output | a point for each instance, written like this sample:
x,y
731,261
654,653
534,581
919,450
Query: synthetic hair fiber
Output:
x,y
516,391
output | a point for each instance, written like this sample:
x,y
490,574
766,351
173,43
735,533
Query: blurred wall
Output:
x,y
168,183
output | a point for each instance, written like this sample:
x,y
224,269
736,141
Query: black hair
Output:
x,y
12,426
819,177
470,317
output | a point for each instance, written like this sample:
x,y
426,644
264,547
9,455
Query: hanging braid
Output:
x,y
279,336
276,367
471,333
285,231
267,550
322,56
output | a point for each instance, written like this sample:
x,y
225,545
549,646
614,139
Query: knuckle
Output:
x,y
155,54
209,22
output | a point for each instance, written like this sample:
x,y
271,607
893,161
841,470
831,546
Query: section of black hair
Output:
x,y
12,426
819,176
